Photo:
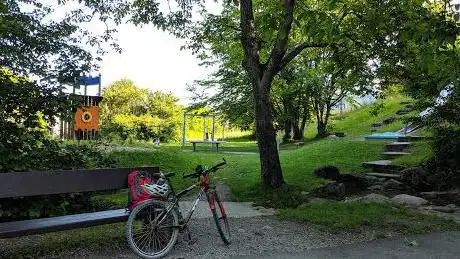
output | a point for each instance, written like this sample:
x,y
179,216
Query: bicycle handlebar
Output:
x,y
205,172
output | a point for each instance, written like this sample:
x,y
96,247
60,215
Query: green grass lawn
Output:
x,y
384,218
242,174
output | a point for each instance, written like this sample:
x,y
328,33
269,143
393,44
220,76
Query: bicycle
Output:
x,y
153,226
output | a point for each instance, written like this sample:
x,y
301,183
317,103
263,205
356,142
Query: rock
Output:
x,y
393,184
328,172
415,177
338,190
305,195
317,200
340,134
452,206
375,187
332,137
405,199
374,197
389,120
445,209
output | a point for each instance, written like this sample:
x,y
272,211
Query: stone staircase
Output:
x,y
385,168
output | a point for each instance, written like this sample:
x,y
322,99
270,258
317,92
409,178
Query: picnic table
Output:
x,y
194,142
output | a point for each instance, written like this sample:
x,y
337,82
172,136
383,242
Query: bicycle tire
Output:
x,y
139,249
220,216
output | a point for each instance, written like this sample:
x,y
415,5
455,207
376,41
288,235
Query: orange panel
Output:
x,y
87,118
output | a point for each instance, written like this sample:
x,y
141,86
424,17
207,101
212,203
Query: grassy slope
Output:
x,y
243,171
419,153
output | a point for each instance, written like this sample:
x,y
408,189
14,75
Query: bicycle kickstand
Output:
x,y
190,240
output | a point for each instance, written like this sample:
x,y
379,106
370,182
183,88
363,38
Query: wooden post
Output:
x,y
183,129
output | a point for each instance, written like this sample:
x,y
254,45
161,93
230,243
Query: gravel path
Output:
x,y
252,236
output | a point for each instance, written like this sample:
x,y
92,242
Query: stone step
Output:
x,y
379,165
393,154
411,138
381,175
398,146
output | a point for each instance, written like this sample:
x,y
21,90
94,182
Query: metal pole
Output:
x,y
204,127
183,129
74,85
213,127
86,86
223,130
100,87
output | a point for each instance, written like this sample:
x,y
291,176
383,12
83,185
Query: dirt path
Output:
x,y
252,236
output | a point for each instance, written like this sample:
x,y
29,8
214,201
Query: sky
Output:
x,y
152,59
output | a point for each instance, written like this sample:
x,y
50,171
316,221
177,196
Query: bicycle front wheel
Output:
x,y
220,217
151,233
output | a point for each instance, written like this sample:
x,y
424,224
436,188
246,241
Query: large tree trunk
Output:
x,y
321,127
262,76
266,137
299,130
323,118
287,130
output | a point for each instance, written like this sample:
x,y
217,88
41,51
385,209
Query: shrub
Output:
x,y
44,153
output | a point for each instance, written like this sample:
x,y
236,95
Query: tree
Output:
x,y
122,97
33,44
132,112
291,100
269,42
332,75
272,34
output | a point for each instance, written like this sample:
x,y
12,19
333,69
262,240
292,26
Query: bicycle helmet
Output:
x,y
157,189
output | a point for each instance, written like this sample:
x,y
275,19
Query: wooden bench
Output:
x,y
22,184
194,142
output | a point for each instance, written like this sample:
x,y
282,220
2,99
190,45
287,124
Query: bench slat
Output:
x,y
20,184
46,225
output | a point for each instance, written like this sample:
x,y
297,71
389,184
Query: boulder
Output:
x,y
334,191
332,137
374,197
409,200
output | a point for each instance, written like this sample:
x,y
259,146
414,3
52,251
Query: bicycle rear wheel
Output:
x,y
147,236
220,217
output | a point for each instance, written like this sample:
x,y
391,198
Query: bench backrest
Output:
x,y
36,183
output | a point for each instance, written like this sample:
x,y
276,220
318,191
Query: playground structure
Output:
x,y
84,125
208,137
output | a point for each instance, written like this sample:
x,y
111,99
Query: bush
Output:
x,y
43,153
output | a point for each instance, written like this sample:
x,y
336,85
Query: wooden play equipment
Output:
x,y
84,124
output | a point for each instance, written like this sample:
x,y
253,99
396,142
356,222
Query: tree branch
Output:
x,y
298,49
281,44
248,39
